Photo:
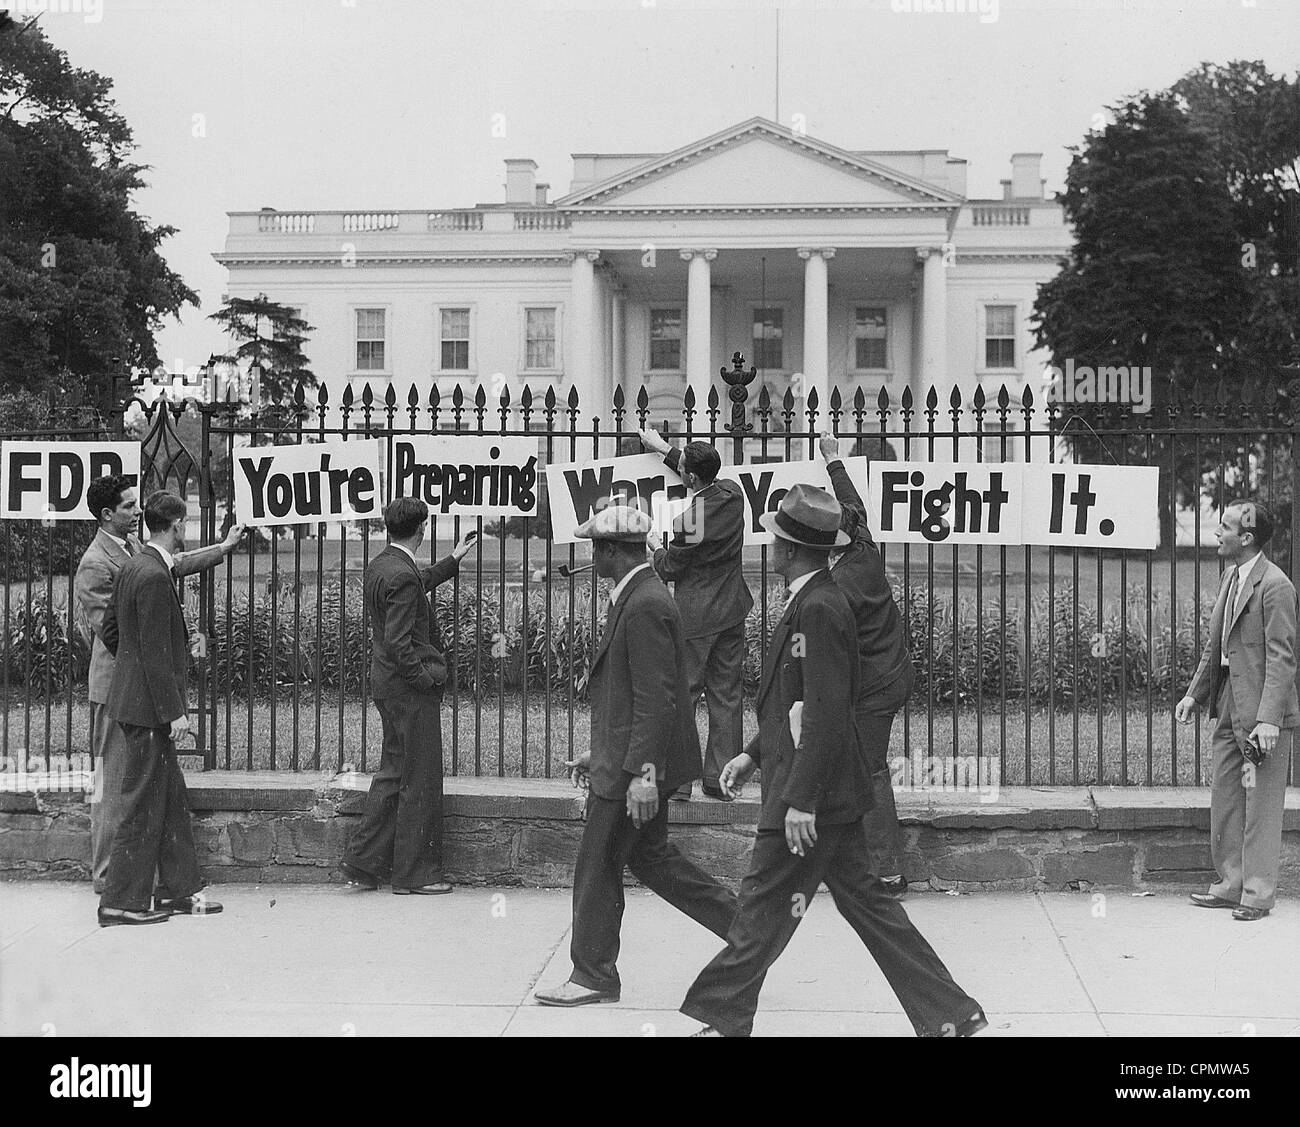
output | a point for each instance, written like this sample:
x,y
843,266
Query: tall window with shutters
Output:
x,y
539,338
454,340
371,339
769,331
870,338
999,336
665,339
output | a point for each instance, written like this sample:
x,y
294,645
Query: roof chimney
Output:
x,y
1006,189
542,190
520,174
1026,176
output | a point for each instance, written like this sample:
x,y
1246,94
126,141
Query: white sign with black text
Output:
x,y
48,480
311,483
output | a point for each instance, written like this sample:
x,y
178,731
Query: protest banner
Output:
x,y
764,484
1092,506
945,502
310,483
467,475
950,503
48,480
574,488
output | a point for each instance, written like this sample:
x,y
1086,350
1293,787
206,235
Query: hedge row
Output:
x,y
495,649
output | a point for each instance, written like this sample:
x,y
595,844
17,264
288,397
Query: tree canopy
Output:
x,y
82,281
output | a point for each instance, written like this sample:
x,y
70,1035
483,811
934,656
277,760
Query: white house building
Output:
x,y
826,267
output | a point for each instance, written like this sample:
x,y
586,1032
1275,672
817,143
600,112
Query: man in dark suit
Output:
x,y
859,571
703,562
144,628
113,501
643,744
816,788
1247,677
400,835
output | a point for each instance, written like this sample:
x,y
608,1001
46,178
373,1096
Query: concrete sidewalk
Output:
x,y
327,961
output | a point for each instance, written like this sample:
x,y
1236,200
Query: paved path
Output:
x,y
325,961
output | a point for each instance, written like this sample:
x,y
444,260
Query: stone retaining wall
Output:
x,y
279,828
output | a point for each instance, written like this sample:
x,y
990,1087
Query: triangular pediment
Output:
x,y
758,164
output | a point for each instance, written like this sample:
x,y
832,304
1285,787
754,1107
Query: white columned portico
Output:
x,y
581,332
699,329
934,320
816,337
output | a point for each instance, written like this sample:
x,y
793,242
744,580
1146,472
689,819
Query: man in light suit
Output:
x,y
144,628
816,788
703,562
113,502
1247,677
400,835
644,743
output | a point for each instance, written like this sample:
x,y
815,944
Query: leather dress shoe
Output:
x,y
1249,914
572,994
188,906
683,795
440,888
358,878
112,917
708,1031
718,793
1209,900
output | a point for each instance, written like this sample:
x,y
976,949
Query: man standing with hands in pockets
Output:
x,y
643,744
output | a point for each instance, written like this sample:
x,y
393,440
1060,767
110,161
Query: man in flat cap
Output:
x,y
644,744
816,788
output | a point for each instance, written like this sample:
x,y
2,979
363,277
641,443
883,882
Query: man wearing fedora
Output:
x,y
816,789
644,744
1247,677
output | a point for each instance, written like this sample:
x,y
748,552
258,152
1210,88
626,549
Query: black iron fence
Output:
x,y
1034,665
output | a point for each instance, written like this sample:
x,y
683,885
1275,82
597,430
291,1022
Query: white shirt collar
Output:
x,y
166,555
618,587
1245,569
404,548
793,589
119,540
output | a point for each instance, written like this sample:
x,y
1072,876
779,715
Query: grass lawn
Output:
x,y
490,740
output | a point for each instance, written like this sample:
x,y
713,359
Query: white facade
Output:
x,y
875,268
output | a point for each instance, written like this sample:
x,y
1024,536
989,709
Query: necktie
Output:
x,y
1229,609
127,545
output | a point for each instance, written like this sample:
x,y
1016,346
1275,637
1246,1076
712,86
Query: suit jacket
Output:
x,y
812,658
860,574
641,707
703,558
1261,651
144,627
408,654
93,588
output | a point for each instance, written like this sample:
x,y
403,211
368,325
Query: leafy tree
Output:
x,y
1183,211
271,339
82,281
